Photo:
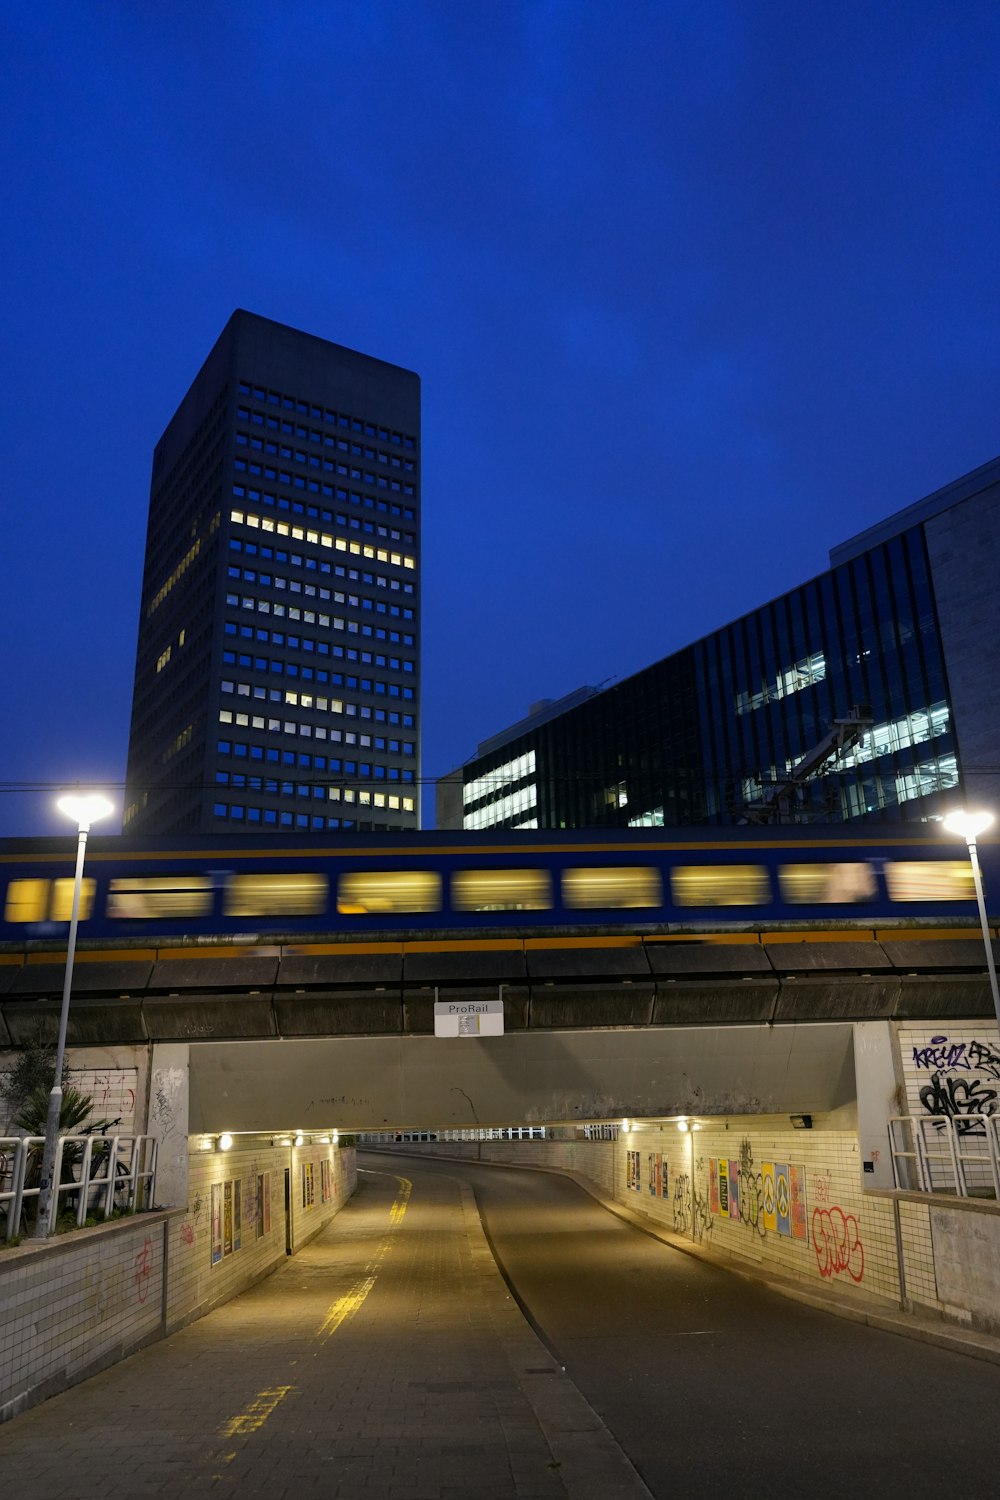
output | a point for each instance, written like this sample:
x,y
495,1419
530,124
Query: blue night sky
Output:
x,y
695,292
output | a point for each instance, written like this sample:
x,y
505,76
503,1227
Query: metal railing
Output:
x,y
95,1176
935,1154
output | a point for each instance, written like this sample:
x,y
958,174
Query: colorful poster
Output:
x,y
227,1218
216,1222
713,1185
797,1196
659,1175
782,1204
723,1188
767,1197
734,1189
237,1213
651,1174
665,1180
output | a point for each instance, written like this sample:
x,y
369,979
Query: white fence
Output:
x,y
934,1154
96,1176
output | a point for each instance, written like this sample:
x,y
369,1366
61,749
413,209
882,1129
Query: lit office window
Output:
x,y
720,885
634,886
501,890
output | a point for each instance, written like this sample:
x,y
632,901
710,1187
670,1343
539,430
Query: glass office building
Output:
x,y
863,693
277,680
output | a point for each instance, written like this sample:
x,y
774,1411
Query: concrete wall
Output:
x,y
77,1304
83,1300
849,1240
434,1083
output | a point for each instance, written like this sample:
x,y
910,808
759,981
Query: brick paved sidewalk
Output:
x,y
386,1359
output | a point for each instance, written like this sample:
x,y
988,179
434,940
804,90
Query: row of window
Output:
x,y
315,487
319,703
314,674
319,791
320,565
318,731
324,763
301,643
278,817
332,518
324,414
322,439
318,538
313,461
332,596
361,892
329,517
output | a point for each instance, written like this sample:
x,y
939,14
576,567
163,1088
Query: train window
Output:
x,y
367,891
132,898
720,885
46,900
276,895
501,890
929,880
819,884
634,885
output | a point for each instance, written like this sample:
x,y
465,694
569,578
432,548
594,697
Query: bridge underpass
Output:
x,y
281,1048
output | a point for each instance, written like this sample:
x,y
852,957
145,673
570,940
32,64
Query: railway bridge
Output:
x,y
247,1037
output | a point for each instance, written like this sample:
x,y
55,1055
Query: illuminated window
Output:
x,y
720,885
130,898
501,890
388,891
46,900
630,886
930,880
820,884
803,674
276,895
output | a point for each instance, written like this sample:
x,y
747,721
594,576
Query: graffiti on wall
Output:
x,y
963,1073
837,1242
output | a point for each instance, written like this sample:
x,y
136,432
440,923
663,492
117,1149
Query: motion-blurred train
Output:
x,y
642,880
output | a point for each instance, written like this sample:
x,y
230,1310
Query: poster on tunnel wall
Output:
x,y
734,1189
797,1195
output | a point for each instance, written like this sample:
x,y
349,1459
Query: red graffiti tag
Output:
x,y
143,1269
837,1242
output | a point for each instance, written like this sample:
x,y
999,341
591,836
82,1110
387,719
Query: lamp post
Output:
x,y
84,810
969,825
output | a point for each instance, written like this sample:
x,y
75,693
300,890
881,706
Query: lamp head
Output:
x,y
968,824
85,807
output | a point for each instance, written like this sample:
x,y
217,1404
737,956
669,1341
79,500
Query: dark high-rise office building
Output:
x,y
277,679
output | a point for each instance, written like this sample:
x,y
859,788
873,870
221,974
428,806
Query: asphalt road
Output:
x,y
714,1385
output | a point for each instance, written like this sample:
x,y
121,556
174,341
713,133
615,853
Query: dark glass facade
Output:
x,y
833,702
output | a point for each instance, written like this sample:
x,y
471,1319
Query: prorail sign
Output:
x,y
468,1018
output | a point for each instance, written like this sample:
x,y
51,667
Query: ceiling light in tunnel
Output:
x,y
225,1141
682,1124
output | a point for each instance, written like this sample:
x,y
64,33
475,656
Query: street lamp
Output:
x,y
83,809
969,825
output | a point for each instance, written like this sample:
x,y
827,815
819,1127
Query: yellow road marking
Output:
x,y
345,1307
257,1413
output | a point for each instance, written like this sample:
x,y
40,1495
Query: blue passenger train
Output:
x,y
159,890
